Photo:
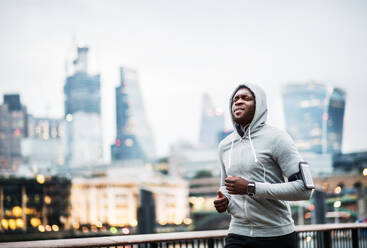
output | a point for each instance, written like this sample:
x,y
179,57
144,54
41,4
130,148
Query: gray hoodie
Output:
x,y
267,156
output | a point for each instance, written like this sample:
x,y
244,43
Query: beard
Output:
x,y
244,119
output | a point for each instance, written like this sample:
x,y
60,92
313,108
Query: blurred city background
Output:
x,y
112,111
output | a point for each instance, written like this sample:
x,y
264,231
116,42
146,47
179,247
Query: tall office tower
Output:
x,y
134,139
83,114
212,122
13,122
314,115
44,148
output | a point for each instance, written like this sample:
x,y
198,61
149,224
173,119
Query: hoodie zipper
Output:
x,y
242,139
245,200
246,214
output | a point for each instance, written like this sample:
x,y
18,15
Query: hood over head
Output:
x,y
261,108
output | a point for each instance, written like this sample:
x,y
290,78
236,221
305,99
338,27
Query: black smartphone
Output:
x,y
306,175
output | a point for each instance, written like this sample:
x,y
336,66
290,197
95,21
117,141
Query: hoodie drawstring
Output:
x,y
230,153
254,153
252,146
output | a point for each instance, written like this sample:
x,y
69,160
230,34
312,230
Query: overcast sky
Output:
x,y
184,48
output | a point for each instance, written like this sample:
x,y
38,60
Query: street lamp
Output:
x,y
337,205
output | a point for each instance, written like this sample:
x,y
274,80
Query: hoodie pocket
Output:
x,y
268,212
236,207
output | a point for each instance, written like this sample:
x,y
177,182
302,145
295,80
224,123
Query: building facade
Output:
x,y
134,138
13,123
347,162
32,205
83,114
314,116
44,148
113,200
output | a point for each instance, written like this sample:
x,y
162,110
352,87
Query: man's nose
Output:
x,y
238,102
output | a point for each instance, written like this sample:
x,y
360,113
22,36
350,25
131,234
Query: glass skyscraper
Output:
x,y
134,139
314,115
83,114
82,90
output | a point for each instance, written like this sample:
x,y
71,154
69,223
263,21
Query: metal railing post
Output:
x,y
210,243
298,240
355,238
319,239
327,239
153,245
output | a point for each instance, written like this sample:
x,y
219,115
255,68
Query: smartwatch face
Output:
x,y
251,189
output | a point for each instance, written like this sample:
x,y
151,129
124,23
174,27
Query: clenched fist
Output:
x,y
221,203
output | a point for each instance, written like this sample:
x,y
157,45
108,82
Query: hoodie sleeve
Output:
x,y
287,157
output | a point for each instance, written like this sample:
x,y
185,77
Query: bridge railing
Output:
x,y
308,236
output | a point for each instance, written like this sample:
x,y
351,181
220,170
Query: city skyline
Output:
x,y
182,50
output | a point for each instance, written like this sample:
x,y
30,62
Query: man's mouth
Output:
x,y
238,109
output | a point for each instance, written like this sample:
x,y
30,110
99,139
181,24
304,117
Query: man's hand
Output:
x,y
221,203
236,185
